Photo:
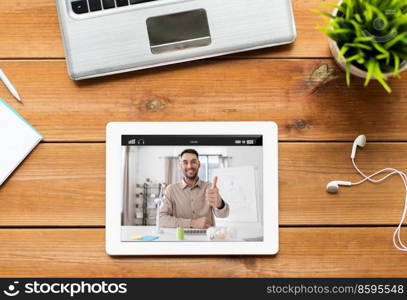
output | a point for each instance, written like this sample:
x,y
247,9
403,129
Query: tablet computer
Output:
x,y
192,188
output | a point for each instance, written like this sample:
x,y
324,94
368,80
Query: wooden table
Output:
x,y
52,208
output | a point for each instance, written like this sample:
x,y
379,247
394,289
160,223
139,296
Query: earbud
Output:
x,y
360,141
333,186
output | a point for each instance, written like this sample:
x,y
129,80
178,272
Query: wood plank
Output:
x,y
304,252
305,170
30,29
294,93
64,185
59,184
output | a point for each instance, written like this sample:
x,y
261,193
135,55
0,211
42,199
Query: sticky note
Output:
x,y
148,238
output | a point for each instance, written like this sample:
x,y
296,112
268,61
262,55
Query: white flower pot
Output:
x,y
353,69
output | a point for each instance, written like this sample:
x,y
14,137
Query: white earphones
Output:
x,y
360,141
333,186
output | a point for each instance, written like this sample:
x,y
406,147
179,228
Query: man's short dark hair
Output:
x,y
192,151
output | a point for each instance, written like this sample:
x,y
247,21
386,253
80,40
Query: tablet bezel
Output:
x,y
114,132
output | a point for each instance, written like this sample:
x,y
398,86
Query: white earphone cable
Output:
x,y
397,233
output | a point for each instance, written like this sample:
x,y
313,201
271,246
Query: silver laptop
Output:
x,y
104,37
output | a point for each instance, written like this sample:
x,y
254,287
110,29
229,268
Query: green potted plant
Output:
x,y
368,38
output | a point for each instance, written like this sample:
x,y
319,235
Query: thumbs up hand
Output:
x,y
212,194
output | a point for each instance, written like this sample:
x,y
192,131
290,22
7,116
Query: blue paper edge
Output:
x,y
21,118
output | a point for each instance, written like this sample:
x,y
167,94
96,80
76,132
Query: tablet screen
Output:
x,y
187,188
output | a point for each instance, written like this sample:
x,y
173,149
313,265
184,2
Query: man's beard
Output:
x,y
191,177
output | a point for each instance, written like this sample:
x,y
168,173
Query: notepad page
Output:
x,y
17,140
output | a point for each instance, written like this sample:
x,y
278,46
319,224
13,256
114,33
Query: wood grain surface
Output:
x,y
304,252
64,185
293,93
52,208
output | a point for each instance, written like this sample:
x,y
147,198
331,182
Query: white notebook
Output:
x,y
17,140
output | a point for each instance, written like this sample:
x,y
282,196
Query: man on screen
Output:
x,y
192,203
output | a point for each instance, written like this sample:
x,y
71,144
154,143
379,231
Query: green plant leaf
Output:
x,y
370,67
353,58
358,28
324,13
358,45
323,29
379,13
399,21
378,74
333,5
394,41
380,48
342,52
368,14
382,56
396,64
348,65
361,38
358,18
349,9
364,39
342,31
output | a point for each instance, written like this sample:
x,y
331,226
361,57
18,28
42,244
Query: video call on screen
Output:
x,y
208,186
